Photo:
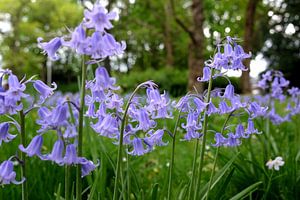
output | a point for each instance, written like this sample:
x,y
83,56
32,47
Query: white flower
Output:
x,y
278,162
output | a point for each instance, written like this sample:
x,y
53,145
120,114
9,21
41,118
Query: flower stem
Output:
x,y
268,186
67,182
120,147
80,129
205,123
194,168
172,157
23,158
216,156
128,177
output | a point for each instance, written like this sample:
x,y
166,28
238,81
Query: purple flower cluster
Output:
x,y
99,44
276,91
225,102
63,119
12,98
106,107
231,58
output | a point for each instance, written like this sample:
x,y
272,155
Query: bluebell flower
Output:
x,y
220,140
155,138
56,154
240,131
107,126
183,104
229,92
15,91
4,134
250,128
212,109
34,148
224,108
115,102
87,167
7,174
233,140
71,157
70,131
103,80
228,50
192,126
78,40
112,47
52,120
44,90
51,47
138,147
157,104
144,121
200,105
206,75
98,18
256,110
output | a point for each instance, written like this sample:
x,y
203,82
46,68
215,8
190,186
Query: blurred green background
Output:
x,y
157,45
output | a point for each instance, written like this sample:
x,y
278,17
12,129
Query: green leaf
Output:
x,y
58,192
154,191
246,191
217,177
223,187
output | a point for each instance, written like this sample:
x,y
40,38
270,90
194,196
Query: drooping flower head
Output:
x,y
7,174
50,48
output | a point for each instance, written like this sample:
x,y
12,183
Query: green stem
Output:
x,y
172,157
128,177
216,157
194,168
205,123
268,186
23,158
67,182
120,147
80,129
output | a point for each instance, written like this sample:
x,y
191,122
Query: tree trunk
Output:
x,y
196,60
168,36
248,36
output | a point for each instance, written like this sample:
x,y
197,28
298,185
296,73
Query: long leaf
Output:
x,y
58,192
223,187
217,177
246,191
154,191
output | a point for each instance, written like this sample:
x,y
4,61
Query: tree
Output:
x,y
248,39
195,32
30,20
282,36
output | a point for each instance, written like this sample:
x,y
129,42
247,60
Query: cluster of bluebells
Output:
x,y
276,89
98,44
62,119
195,106
106,107
14,100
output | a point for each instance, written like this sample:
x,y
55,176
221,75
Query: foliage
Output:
x,y
30,20
282,44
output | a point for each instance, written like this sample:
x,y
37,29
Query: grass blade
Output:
x,y
246,191
217,177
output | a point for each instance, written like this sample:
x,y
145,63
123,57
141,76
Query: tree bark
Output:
x,y
248,39
196,60
168,36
